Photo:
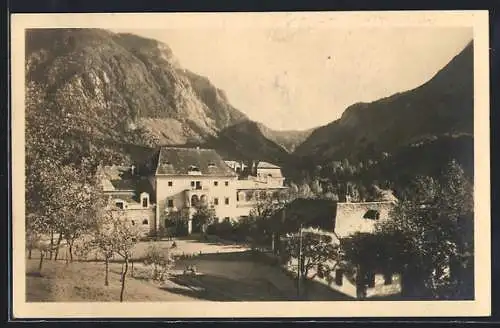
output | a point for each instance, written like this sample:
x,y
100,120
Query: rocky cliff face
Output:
x,y
129,90
122,84
127,94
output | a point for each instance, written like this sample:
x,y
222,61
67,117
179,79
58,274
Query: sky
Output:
x,y
304,77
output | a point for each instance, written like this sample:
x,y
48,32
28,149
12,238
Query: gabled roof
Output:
x,y
330,215
180,161
312,213
266,165
119,180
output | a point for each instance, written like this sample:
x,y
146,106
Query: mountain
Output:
x,y
124,92
117,96
246,141
442,106
289,139
425,158
127,94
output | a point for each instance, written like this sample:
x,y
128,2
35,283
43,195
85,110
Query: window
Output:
x,y
170,183
194,168
387,279
119,205
216,201
226,183
145,221
226,201
371,215
170,203
192,183
227,219
133,222
144,202
339,273
216,183
198,185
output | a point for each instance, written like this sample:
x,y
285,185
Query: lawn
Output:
x,y
84,281
225,273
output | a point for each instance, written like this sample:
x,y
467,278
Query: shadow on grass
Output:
x,y
258,288
225,256
216,288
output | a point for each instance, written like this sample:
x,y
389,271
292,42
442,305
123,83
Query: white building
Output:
x,y
177,180
340,220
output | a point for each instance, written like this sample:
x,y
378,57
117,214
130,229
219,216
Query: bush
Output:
x,y
229,231
160,261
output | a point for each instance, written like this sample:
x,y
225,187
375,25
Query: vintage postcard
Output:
x,y
328,164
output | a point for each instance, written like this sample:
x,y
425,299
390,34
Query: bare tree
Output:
x,y
123,237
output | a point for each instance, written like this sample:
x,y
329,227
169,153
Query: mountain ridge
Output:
x,y
129,89
443,104
127,94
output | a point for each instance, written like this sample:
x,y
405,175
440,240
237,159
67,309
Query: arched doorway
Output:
x,y
203,200
194,200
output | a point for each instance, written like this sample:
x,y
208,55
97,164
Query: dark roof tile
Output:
x,y
178,161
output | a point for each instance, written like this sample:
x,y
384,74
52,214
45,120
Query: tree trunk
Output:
x,y
106,281
70,251
57,249
132,268
123,279
42,253
51,244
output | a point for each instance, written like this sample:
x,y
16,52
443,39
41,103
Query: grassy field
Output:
x,y
84,281
227,272
236,276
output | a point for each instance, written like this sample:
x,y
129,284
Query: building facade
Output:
x,y
130,192
340,220
176,181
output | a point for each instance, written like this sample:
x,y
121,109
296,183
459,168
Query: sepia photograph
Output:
x,y
284,164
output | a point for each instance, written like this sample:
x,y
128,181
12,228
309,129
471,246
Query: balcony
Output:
x,y
204,188
195,196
